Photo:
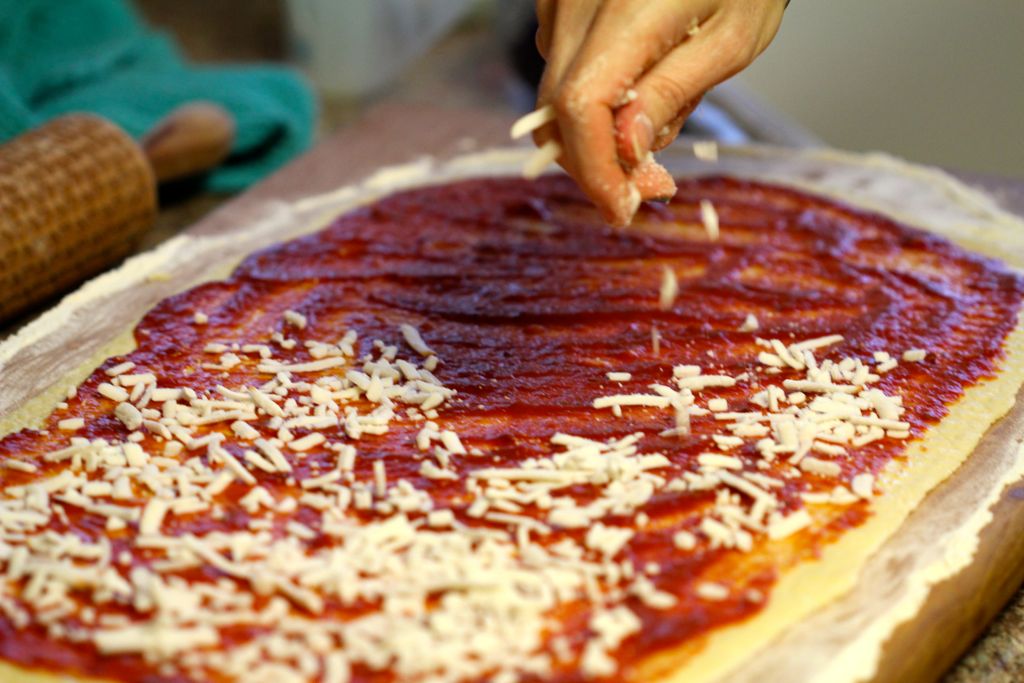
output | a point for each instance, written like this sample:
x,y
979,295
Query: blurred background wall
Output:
x,y
936,81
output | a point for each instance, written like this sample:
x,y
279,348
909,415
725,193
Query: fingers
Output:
x,y
725,43
611,57
666,134
633,126
633,144
568,24
545,26
636,136
666,54
634,133
590,155
669,92
653,181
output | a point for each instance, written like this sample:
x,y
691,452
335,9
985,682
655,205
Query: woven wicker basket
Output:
x,y
75,195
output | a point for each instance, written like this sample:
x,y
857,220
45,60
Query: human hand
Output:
x,y
623,75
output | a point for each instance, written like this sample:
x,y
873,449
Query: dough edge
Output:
x,y
812,585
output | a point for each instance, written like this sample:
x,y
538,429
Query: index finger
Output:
x,y
545,21
568,25
590,155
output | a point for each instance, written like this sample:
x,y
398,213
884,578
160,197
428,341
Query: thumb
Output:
x,y
666,134
636,135
633,140
668,93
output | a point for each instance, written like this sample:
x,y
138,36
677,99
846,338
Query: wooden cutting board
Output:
x,y
921,649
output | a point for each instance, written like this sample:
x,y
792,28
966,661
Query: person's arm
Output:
x,y
623,75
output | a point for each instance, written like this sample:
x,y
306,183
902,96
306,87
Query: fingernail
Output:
x,y
643,136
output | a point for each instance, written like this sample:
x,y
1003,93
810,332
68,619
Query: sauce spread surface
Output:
x,y
469,432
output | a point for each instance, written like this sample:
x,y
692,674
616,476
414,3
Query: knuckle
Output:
x,y
569,101
671,93
739,42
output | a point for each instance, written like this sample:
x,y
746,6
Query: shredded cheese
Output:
x,y
709,217
545,155
669,288
712,592
414,340
530,122
71,424
914,355
474,581
705,150
750,324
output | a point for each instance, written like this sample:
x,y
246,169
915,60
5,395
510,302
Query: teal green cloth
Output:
x,y
60,56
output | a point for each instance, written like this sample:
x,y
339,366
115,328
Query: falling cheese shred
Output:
x,y
669,288
545,155
709,217
530,122
705,150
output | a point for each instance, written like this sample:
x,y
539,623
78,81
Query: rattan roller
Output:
x,y
75,195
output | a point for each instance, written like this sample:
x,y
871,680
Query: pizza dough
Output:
x,y
987,401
